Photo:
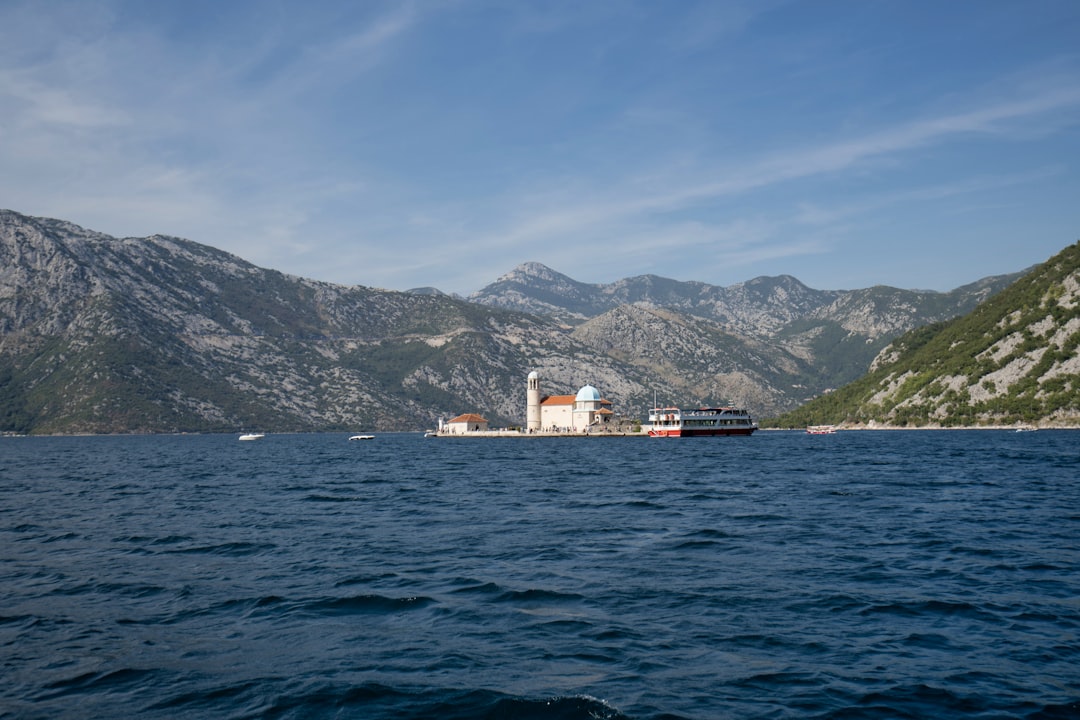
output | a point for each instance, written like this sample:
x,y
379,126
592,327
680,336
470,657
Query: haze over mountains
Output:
x,y
160,334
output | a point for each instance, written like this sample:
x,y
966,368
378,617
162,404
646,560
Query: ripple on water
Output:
x,y
873,575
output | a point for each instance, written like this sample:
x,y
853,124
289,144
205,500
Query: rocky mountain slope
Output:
x,y
1014,359
788,341
100,334
159,334
697,357
763,307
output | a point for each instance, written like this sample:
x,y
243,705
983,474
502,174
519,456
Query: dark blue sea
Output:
x,y
908,574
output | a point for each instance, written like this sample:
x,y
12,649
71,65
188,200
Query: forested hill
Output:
x,y
1013,360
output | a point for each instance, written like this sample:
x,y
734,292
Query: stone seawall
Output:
x,y
545,433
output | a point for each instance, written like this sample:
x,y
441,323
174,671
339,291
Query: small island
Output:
x,y
588,414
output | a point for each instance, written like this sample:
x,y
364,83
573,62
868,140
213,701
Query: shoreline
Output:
x,y
895,428
518,434
838,429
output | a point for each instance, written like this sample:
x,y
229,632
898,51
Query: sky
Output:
x,y
410,143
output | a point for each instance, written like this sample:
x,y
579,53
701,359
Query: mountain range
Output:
x,y
160,334
770,343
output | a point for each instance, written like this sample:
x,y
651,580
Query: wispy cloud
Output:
x,y
718,218
630,203
992,119
32,102
336,58
811,213
715,22
300,135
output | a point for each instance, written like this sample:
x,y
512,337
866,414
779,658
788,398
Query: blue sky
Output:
x,y
404,144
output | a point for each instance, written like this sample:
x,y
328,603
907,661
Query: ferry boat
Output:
x,y
702,422
820,429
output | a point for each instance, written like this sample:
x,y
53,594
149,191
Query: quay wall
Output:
x,y
537,433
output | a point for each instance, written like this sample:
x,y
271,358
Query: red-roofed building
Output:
x,y
469,422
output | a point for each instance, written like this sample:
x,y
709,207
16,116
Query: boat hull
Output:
x,y
718,432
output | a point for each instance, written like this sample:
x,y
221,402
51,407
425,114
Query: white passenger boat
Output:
x,y
701,422
821,429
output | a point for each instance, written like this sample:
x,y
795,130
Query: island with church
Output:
x,y
588,414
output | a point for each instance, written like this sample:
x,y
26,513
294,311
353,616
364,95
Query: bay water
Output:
x,y
892,574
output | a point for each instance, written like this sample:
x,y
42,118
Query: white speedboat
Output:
x,y
362,437
253,436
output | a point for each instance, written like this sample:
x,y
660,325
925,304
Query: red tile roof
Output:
x,y
468,418
558,400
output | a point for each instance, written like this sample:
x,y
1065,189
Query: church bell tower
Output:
x,y
532,399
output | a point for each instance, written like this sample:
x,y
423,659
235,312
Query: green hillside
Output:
x,y
1013,360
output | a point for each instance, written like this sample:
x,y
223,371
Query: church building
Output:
x,y
564,413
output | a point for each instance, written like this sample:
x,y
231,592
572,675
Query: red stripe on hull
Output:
x,y
700,433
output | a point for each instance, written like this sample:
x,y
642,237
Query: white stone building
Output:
x,y
565,413
469,422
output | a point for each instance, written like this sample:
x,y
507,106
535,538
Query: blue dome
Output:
x,y
588,394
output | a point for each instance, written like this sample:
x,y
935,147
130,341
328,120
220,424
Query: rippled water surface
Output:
x,y
859,575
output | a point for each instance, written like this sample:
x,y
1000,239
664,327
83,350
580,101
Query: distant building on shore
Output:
x,y
469,422
564,413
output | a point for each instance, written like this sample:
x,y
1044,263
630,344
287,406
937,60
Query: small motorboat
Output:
x,y
362,437
253,436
